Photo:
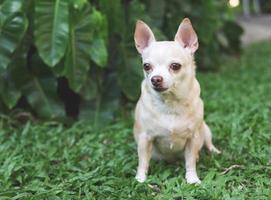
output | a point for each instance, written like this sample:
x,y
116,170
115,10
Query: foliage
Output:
x,y
266,6
50,161
78,56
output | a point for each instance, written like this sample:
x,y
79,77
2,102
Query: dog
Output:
x,y
169,113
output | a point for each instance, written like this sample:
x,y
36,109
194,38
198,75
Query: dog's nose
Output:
x,y
157,80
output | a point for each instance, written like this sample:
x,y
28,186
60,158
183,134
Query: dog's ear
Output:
x,y
143,36
186,36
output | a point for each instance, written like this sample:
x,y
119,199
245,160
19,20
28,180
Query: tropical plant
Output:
x,y
41,41
77,57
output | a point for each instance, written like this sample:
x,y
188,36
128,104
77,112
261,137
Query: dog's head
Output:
x,y
167,63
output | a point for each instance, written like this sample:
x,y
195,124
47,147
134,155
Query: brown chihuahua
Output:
x,y
169,113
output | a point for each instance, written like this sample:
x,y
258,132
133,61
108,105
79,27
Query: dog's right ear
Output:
x,y
143,36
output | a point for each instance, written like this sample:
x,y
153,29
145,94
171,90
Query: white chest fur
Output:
x,y
169,131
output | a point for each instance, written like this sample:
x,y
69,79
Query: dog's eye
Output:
x,y
175,66
147,66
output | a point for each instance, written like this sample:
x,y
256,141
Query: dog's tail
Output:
x,y
208,139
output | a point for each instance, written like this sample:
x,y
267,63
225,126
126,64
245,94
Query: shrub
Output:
x,y
77,57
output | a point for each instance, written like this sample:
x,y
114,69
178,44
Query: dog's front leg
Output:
x,y
191,156
144,148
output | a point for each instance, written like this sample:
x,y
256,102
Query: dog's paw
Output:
x,y
192,178
141,178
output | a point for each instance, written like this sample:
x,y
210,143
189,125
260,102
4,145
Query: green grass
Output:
x,y
50,161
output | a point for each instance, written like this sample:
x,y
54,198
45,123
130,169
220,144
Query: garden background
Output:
x,y
69,80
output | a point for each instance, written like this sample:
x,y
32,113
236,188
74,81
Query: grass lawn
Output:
x,y
49,161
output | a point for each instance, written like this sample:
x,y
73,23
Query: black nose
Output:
x,y
157,80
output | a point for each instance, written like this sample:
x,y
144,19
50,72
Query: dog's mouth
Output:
x,y
160,89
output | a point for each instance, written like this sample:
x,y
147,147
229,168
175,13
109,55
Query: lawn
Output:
x,y
46,160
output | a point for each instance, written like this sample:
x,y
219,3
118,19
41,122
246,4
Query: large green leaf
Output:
x,y
82,47
115,14
38,85
89,89
11,33
77,57
100,110
15,76
9,8
130,77
41,94
8,92
98,52
98,116
51,29
19,65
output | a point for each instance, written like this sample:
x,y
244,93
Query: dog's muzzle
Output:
x,y
159,89
157,82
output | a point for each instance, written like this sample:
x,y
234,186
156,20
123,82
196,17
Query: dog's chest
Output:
x,y
171,131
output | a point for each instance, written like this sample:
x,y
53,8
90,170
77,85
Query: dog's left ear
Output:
x,y
186,36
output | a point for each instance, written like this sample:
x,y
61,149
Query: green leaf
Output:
x,y
99,112
80,49
11,33
98,52
78,4
8,8
41,94
15,76
115,15
77,58
8,91
51,29
18,69
130,78
11,95
89,89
